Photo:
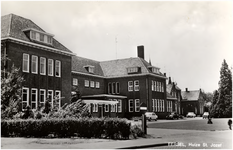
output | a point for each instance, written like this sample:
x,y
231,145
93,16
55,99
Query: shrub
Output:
x,y
113,128
136,131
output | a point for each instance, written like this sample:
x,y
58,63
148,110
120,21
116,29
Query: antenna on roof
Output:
x,y
116,45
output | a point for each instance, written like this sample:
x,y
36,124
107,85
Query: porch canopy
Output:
x,y
93,101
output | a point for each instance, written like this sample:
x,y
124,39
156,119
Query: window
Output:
x,y
37,36
106,108
109,88
49,40
130,86
156,105
152,85
153,105
58,68
95,107
113,88
42,97
130,105
136,85
50,97
92,84
137,105
162,87
42,66
155,85
42,37
119,106
117,88
25,63
97,85
33,34
133,69
25,98
91,69
75,81
57,99
162,105
33,98
34,64
86,83
50,67
113,108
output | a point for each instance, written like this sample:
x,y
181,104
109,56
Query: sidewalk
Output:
x,y
160,137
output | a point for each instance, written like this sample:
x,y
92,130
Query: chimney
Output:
x,y
186,89
141,51
169,80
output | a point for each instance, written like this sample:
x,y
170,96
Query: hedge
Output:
x,y
114,128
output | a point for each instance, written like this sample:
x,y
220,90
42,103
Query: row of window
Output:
x,y
38,97
88,83
157,86
114,88
158,105
114,108
169,106
134,105
133,85
42,65
41,37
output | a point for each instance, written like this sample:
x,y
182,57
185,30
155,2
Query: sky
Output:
x,y
187,40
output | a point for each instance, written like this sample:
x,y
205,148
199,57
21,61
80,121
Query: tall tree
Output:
x,y
10,92
223,106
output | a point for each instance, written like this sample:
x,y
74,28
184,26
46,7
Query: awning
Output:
x,y
100,102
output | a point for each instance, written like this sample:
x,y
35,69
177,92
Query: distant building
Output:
x,y
173,97
192,101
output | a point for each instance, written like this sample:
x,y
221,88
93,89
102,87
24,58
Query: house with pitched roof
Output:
x,y
173,97
44,62
129,82
192,101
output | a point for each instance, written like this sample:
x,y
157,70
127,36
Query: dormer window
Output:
x,y
90,69
154,69
39,36
133,70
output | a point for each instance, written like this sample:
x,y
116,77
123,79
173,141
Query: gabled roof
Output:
x,y
12,26
169,88
79,63
170,97
118,67
191,95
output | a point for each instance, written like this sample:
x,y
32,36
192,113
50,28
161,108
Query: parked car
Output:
x,y
191,115
172,115
205,115
151,116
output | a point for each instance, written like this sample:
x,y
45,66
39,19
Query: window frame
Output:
x,y
130,86
137,105
26,63
97,84
113,87
42,73
75,81
131,107
117,88
36,99
27,97
58,68
106,108
86,83
92,84
48,96
44,96
119,105
136,86
34,70
59,96
50,67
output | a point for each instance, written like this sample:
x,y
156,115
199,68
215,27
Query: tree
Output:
x,y
11,84
222,102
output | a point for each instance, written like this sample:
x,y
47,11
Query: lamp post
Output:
x,y
143,109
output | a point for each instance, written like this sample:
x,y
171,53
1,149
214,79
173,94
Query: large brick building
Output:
x,y
111,88
44,63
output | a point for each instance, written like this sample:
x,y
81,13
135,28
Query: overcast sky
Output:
x,y
187,40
